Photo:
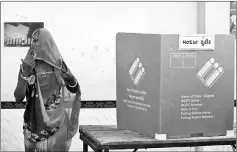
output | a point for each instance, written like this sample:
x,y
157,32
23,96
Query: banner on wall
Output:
x,y
19,34
233,18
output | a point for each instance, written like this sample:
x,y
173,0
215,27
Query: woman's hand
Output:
x,y
25,71
27,67
67,76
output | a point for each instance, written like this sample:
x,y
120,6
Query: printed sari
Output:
x,y
47,125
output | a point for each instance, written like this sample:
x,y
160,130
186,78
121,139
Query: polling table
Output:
x,y
105,138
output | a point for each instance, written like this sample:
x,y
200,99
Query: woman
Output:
x,y
43,74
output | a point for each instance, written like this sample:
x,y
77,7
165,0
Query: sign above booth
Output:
x,y
202,42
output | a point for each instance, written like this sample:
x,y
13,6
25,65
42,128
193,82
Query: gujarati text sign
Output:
x,y
196,42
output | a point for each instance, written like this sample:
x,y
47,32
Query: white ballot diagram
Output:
x,y
137,72
210,73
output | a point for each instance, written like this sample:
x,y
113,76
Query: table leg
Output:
x,y
85,147
135,150
233,148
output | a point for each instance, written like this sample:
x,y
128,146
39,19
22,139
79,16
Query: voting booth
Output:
x,y
175,86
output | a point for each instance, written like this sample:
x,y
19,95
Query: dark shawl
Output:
x,y
44,48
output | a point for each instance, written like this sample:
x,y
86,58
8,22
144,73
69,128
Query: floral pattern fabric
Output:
x,y
51,103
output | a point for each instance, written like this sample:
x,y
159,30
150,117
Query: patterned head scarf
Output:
x,y
44,48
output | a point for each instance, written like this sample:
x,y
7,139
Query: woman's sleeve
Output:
x,y
20,90
73,89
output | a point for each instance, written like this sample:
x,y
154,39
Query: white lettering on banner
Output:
x,y
182,60
135,99
191,106
199,42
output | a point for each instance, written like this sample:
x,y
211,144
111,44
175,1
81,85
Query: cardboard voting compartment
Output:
x,y
175,86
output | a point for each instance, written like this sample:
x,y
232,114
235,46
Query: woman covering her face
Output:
x,y
42,76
